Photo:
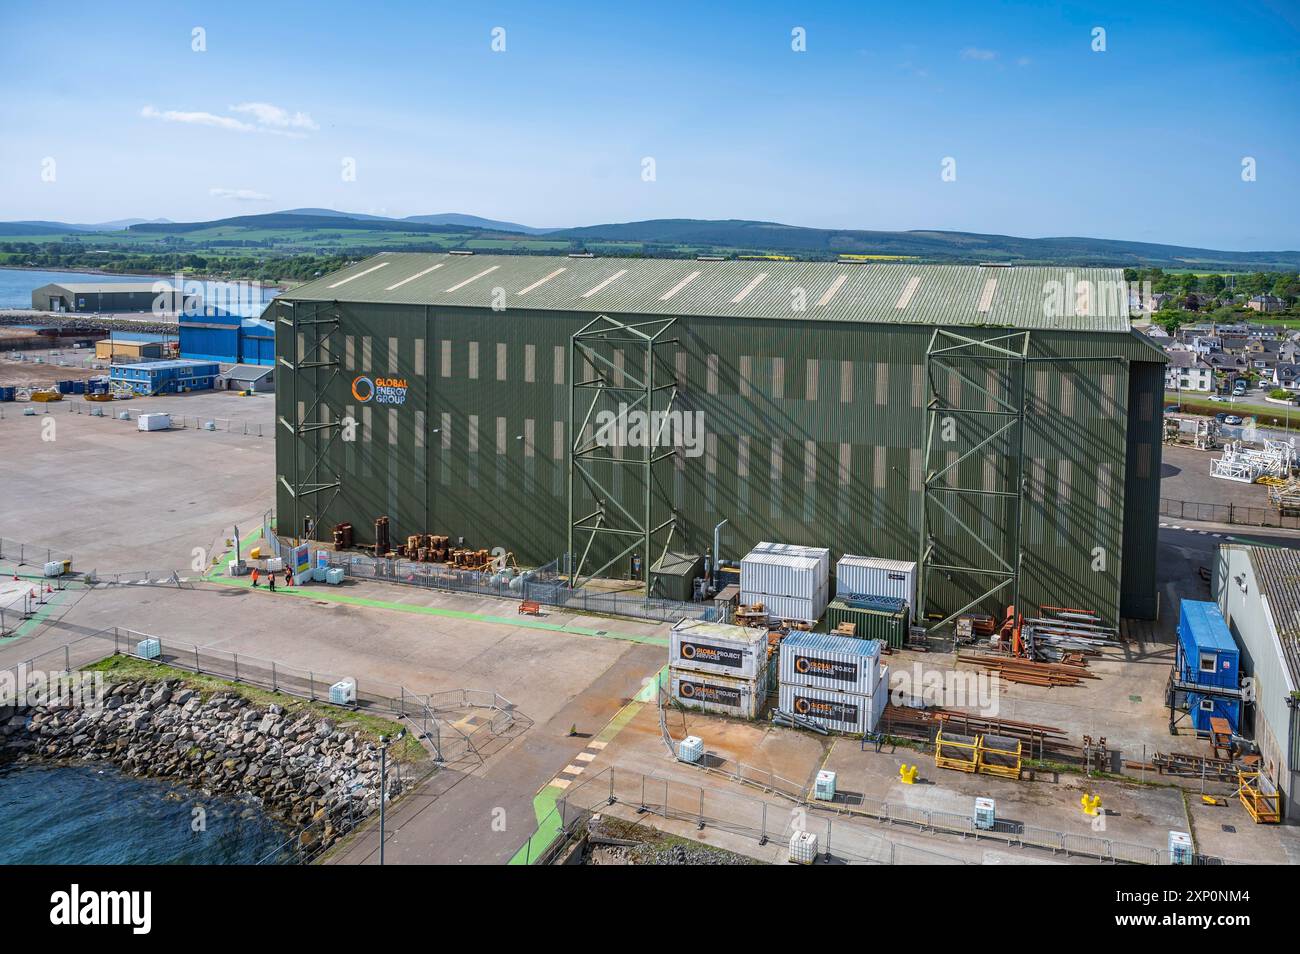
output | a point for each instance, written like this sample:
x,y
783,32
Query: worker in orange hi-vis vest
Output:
x,y
254,577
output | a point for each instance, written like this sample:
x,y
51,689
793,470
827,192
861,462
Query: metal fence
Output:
x,y
309,843
25,604
421,711
143,578
1228,513
637,793
115,410
29,554
758,819
541,586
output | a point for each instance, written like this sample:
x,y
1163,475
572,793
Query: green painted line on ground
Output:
x,y
329,595
42,613
548,826
545,801
219,567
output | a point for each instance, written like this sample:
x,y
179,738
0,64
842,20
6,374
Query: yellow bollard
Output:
x,y
907,774
1091,803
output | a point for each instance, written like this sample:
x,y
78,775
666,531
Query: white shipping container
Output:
x,y
787,607
879,699
821,554
798,576
824,661
738,651
725,695
154,422
869,576
841,711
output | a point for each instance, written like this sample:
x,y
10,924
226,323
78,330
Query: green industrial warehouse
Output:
x,y
1000,425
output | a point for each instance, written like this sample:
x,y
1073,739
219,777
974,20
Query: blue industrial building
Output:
x,y
1208,656
227,338
166,377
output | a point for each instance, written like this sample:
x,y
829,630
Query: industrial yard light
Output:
x,y
383,784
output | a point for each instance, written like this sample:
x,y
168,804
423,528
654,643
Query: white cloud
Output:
x,y
267,118
196,119
239,195
1024,61
975,53
271,115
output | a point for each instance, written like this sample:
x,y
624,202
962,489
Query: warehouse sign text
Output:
x,y
718,655
379,390
826,668
703,692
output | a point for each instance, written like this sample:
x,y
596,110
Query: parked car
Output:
x,y
1221,417
1217,398
1173,408
1231,419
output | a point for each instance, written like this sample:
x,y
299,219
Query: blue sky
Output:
x,y
1144,141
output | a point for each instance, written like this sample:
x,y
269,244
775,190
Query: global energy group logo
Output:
x,y
390,391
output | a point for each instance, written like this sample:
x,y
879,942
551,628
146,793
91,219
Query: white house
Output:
x,y
1187,372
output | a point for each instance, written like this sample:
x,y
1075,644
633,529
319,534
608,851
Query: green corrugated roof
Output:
x,y
970,295
83,288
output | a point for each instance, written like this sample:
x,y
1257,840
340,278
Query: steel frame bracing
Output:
x,y
320,424
952,357
616,389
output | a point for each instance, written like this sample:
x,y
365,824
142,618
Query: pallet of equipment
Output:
x,y
1261,800
956,751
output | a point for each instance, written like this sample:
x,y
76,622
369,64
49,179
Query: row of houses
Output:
x,y
1208,357
1265,304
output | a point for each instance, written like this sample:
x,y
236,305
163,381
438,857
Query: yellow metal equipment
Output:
x,y
1091,803
999,755
46,396
907,774
955,751
1260,797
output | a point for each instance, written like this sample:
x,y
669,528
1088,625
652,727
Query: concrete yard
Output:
x,y
1185,476
57,364
116,498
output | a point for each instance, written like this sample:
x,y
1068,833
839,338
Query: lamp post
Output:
x,y
383,785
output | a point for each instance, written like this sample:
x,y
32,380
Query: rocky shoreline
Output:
x,y
94,322
305,770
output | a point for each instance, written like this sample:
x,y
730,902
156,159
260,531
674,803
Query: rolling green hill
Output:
x,y
325,234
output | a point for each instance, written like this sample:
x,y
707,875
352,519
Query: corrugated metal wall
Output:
x,y
1270,719
1139,592
815,437
209,342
